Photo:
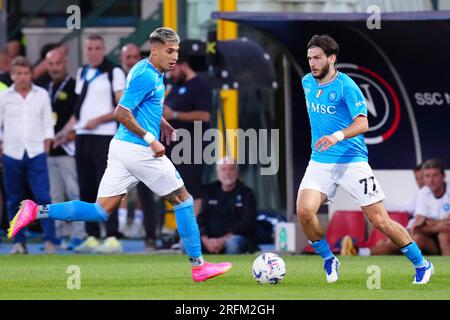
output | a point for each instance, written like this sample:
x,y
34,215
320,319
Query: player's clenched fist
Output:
x,y
158,148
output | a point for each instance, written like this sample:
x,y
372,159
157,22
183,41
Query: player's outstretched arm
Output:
x,y
358,126
125,117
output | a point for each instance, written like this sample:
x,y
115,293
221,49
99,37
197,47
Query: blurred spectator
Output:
x,y
189,101
3,219
5,68
227,218
16,39
40,73
5,82
131,216
432,222
129,56
386,246
26,118
99,85
61,161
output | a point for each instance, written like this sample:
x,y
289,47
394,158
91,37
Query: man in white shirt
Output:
x,y
431,229
26,119
99,86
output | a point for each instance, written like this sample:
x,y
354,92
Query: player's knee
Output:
x,y
305,213
109,204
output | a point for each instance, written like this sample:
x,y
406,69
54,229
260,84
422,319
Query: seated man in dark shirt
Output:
x,y
227,217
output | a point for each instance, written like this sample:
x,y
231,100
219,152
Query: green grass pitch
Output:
x,y
168,277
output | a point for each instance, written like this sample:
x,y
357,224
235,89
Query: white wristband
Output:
x,y
148,137
339,135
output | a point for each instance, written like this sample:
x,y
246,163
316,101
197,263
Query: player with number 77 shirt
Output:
x,y
338,116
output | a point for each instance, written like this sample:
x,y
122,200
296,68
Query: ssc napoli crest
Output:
x,y
332,96
181,91
383,104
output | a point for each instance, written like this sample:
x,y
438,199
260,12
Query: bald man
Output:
x,y
227,218
129,56
61,160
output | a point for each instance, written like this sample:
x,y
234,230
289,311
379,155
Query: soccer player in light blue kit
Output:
x,y
338,118
135,154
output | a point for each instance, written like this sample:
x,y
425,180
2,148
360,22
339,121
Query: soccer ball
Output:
x,y
268,268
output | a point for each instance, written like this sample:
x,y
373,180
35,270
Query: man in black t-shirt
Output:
x,y
227,218
189,101
61,160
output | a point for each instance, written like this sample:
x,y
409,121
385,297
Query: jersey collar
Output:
x,y
326,83
153,67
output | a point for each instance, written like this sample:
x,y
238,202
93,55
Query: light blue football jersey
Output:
x,y
144,96
332,107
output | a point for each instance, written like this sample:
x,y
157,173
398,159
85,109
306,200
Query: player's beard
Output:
x,y
324,72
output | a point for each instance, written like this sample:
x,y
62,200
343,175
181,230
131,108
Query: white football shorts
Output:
x,y
129,163
356,178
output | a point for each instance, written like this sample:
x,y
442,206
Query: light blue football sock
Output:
x,y
413,253
322,248
73,211
188,230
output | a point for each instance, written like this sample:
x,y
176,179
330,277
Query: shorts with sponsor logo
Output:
x,y
355,177
129,163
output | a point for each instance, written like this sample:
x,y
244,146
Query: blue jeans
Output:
x,y
15,176
235,245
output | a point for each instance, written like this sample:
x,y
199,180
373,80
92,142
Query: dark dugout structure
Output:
x,y
402,69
